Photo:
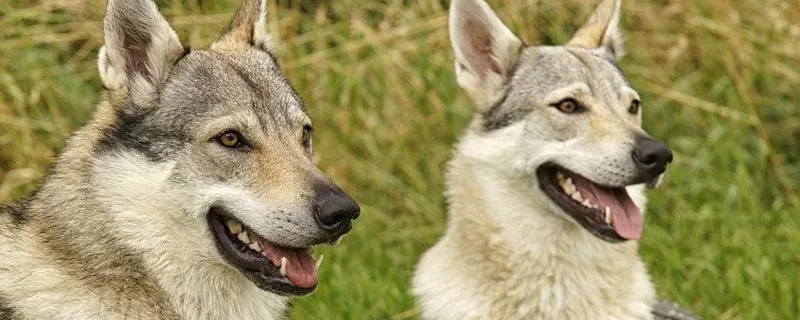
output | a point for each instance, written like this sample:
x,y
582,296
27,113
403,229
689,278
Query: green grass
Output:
x,y
720,81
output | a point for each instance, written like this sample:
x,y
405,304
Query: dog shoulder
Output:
x,y
443,290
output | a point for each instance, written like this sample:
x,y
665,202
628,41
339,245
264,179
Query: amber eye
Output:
x,y
569,105
634,108
307,130
230,139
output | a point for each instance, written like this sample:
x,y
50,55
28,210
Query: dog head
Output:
x,y
215,146
564,116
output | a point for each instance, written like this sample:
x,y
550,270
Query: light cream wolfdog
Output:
x,y
546,186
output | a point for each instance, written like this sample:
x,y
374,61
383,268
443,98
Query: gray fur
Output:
x,y
7,311
16,211
666,310
543,69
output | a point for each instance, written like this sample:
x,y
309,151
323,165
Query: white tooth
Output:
x,y
319,261
284,262
243,237
587,203
560,176
608,215
255,246
569,188
234,226
577,196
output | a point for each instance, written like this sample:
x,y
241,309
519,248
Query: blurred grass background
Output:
x,y
720,81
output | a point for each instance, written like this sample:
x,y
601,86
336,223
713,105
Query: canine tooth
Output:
x,y
255,246
234,226
243,237
577,196
284,262
319,261
608,215
560,176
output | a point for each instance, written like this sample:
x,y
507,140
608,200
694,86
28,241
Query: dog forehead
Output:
x,y
545,69
216,83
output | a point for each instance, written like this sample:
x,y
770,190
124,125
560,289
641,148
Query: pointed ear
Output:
x,y
602,30
140,47
248,28
486,51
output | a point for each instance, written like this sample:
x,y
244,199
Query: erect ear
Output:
x,y
140,48
602,30
486,51
248,28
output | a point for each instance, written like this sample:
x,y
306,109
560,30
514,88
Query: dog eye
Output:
x,y
634,108
569,105
231,139
307,130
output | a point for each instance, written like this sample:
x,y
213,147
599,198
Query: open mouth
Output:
x,y
607,212
279,269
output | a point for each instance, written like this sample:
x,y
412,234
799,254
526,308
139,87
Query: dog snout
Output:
x,y
651,156
335,210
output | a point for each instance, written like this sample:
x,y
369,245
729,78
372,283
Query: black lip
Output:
x,y
255,267
589,219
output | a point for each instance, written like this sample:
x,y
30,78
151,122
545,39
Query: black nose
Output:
x,y
651,156
335,209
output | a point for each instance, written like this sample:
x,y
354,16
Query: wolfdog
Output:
x,y
190,194
545,188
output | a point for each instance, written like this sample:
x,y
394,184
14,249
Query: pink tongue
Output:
x,y
301,271
627,218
